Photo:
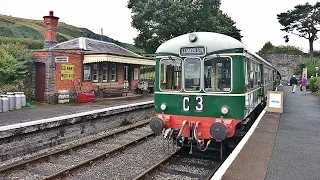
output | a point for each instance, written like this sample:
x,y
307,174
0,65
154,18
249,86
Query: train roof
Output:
x,y
213,41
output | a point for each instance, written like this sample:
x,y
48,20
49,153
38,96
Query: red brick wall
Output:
x,y
40,55
76,60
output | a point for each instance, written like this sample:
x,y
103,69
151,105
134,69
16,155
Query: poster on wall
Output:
x,y
67,71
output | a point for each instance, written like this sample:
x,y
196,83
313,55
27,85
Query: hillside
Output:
x,y
34,29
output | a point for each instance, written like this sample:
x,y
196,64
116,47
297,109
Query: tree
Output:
x,y
303,20
160,20
15,61
268,47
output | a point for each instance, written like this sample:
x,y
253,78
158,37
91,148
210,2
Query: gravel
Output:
x,y
198,161
66,145
83,153
128,164
189,169
165,176
25,174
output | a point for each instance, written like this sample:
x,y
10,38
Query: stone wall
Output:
x,y
284,63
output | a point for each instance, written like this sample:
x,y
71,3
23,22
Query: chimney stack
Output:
x,y
50,36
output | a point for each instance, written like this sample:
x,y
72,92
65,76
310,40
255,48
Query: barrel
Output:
x,y
23,99
11,97
5,103
17,102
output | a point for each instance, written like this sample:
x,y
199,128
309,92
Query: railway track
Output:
x,y
181,165
61,163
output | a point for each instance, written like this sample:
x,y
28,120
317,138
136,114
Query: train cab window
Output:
x,y
192,74
217,74
170,74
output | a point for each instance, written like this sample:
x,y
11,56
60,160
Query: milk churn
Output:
x,y
11,97
23,99
17,100
5,103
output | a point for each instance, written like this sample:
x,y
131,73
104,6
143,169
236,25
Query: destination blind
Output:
x,y
193,51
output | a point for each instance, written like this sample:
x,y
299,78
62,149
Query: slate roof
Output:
x,y
92,46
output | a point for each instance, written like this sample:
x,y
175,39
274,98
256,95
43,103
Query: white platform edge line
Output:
x,y
59,118
224,167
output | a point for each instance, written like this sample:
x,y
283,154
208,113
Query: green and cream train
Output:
x,y
207,88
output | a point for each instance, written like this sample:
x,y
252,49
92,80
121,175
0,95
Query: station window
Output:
x,y
217,74
86,72
113,71
192,74
170,74
95,73
104,72
100,72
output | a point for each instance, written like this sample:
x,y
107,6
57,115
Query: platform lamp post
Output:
x,y
317,70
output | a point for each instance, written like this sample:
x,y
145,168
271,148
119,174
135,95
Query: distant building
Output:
x,y
82,64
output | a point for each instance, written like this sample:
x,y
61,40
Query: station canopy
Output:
x,y
93,58
102,51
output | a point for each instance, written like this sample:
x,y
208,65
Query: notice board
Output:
x,y
275,101
67,71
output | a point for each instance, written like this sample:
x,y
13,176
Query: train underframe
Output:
x,y
203,133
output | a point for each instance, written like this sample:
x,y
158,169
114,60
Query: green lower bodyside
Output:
x,y
211,105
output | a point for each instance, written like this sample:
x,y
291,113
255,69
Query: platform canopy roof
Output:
x,y
101,51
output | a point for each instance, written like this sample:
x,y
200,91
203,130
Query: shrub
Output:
x,y
314,84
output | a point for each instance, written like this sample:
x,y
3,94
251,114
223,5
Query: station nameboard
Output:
x,y
275,101
62,59
193,51
67,71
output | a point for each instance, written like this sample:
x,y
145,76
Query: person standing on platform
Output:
x,y
304,84
293,83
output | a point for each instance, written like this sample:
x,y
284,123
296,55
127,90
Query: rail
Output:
x,y
68,170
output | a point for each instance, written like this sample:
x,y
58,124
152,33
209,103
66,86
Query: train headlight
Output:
x,y
224,110
163,106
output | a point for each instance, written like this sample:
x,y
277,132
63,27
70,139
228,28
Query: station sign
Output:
x,y
192,51
275,101
67,71
61,59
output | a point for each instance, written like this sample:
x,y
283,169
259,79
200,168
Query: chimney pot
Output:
x,y
51,13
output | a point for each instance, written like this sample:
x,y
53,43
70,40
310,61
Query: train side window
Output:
x,y
170,74
217,74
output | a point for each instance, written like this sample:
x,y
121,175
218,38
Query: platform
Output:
x,y
284,146
27,114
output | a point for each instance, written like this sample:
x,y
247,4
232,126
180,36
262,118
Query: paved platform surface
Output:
x,y
48,111
284,146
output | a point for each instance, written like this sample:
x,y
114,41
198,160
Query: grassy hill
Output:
x,y
34,29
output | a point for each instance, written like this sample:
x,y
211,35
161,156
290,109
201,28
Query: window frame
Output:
x,y
110,64
83,74
231,75
93,68
165,80
201,74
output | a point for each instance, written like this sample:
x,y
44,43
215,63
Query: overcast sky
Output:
x,y
256,18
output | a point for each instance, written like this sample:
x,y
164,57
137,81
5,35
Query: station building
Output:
x,y
82,65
